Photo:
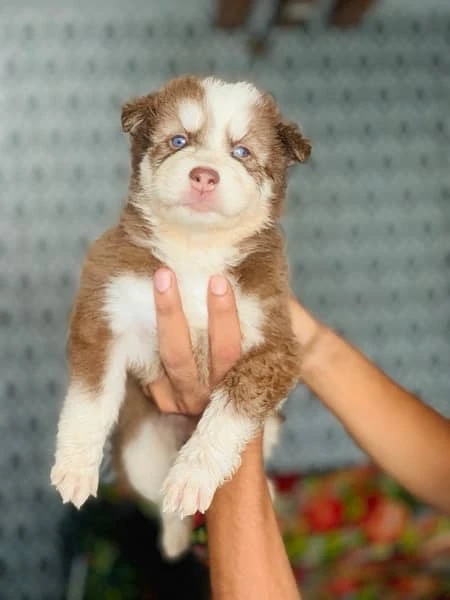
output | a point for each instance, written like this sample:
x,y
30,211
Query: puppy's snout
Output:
x,y
204,179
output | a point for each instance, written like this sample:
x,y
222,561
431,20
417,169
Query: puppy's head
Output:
x,y
206,152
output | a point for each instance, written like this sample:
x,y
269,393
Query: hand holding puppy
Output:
x,y
179,390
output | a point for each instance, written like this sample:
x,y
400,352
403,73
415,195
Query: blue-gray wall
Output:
x,y
368,223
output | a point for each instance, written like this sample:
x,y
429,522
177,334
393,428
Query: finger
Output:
x,y
223,328
163,394
174,340
194,406
170,402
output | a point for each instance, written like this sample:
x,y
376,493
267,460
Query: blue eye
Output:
x,y
240,152
178,142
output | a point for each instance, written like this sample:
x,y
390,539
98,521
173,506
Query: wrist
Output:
x,y
248,483
304,325
312,336
319,355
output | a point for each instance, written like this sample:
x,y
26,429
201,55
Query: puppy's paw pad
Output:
x,y
176,540
75,485
186,492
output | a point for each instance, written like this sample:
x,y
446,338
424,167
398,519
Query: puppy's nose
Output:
x,y
204,179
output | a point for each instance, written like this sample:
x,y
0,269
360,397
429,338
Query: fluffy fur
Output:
x,y
201,205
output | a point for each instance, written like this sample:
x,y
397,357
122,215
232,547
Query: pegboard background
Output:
x,y
368,224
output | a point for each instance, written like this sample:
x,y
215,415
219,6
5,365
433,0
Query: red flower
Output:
x,y
324,514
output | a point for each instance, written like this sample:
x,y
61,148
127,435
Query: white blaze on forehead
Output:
x,y
191,115
229,108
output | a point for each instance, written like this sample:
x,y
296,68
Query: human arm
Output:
x,y
404,436
247,556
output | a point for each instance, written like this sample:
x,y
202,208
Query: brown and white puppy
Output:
x,y
209,167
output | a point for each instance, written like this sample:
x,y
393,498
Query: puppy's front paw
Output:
x,y
188,489
75,482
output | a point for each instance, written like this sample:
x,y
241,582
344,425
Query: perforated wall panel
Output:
x,y
368,224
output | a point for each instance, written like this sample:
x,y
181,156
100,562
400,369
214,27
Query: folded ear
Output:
x,y
296,146
138,114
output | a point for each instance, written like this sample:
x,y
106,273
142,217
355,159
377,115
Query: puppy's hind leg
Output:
x,y
176,535
147,443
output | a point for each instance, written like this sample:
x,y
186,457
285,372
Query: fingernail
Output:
x,y
219,285
162,280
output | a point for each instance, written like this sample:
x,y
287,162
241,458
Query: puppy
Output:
x,y
209,166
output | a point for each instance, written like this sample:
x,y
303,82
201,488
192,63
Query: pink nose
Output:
x,y
204,179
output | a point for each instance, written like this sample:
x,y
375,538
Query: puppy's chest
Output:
x,y
130,309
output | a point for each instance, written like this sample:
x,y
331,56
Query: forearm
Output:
x,y
405,437
247,555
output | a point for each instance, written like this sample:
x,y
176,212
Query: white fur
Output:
x,y
147,459
129,300
272,489
176,535
149,454
130,308
193,277
238,197
86,420
272,428
191,115
208,458
230,105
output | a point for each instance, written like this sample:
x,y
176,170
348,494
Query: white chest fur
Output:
x,y
130,309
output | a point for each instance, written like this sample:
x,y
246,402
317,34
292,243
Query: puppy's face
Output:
x,y
206,152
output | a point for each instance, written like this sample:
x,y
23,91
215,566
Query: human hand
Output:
x,y
180,390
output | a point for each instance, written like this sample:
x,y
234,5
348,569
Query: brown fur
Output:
x,y
147,119
268,372
113,253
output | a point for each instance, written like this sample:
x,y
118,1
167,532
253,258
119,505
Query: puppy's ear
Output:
x,y
296,146
138,114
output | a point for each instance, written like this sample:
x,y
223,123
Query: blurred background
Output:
x,y
368,219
